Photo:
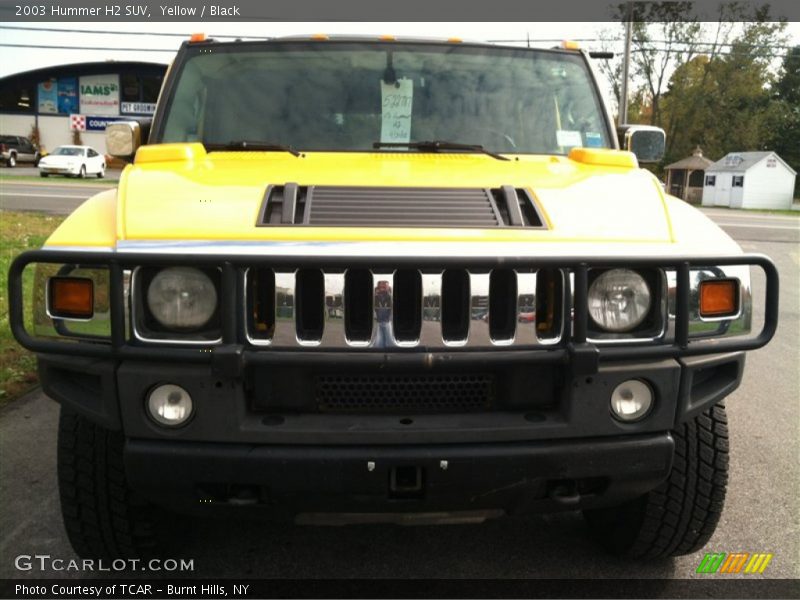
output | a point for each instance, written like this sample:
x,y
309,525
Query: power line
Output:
x,y
495,41
640,41
107,32
104,48
732,52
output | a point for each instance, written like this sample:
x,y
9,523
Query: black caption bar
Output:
x,y
368,10
400,588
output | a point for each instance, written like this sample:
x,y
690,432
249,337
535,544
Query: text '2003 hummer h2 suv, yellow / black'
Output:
x,y
353,279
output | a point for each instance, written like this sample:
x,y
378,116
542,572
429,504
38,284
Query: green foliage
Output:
x,y
723,95
722,101
18,231
785,124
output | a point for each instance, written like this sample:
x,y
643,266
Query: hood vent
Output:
x,y
335,206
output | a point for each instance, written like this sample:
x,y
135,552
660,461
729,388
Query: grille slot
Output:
x,y
404,393
261,303
502,304
340,206
310,304
407,305
549,303
358,305
389,308
455,305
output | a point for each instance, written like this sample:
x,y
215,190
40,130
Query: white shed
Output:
x,y
749,180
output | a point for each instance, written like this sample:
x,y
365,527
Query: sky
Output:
x,y
24,59
143,46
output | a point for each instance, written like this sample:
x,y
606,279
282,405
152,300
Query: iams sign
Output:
x,y
98,90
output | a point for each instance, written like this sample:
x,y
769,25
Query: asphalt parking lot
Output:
x,y
762,512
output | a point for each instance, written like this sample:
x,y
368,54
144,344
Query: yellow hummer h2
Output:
x,y
362,279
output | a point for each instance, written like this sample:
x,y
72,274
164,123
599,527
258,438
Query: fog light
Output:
x,y
631,400
169,405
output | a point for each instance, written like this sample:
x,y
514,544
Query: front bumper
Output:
x,y
482,478
560,406
59,170
565,453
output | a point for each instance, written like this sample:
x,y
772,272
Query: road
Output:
x,y
54,195
762,512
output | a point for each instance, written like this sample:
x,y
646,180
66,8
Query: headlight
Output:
x,y
182,298
619,300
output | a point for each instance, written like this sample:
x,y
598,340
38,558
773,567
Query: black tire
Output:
x,y
102,172
103,517
82,174
11,162
43,174
680,515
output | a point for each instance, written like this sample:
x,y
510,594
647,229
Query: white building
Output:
x,y
749,180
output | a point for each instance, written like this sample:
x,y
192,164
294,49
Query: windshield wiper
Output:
x,y
437,145
252,146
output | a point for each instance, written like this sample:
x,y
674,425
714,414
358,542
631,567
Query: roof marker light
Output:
x,y
570,45
197,37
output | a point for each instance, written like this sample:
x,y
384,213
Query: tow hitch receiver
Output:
x,y
406,482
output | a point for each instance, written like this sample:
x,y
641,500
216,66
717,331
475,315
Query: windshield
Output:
x,y
349,96
67,151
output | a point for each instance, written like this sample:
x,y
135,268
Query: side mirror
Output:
x,y
648,143
123,138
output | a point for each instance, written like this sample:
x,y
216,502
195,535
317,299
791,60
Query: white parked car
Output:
x,y
76,161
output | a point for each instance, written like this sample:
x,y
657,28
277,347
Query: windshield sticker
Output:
x,y
568,139
396,104
594,140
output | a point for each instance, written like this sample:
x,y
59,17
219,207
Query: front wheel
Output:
x,y
12,161
103,517
102,172
680,515
82,174
43,174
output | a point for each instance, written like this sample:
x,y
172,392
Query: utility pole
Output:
x,y
626,65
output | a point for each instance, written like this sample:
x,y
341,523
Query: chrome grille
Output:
x,y
387,308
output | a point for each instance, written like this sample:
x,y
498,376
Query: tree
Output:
x,y
653,62
722,101
785,127
662,40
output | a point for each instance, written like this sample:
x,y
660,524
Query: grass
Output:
x,y
769,211
5,178
19,231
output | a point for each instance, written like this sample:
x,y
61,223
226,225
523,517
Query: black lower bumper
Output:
x,y
511,477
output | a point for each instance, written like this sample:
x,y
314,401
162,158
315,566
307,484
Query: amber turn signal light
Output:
x,y
719,298
71,298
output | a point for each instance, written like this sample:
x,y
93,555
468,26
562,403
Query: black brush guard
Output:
x,y
230,357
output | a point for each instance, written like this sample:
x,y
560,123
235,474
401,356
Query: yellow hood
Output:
x,y
180,192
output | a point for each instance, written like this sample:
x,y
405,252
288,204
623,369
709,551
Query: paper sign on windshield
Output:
x,y
568,139
396,103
